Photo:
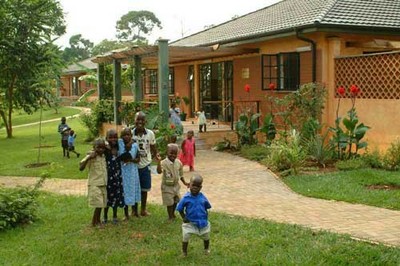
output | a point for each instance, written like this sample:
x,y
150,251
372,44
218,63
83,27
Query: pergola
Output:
x,y
161,55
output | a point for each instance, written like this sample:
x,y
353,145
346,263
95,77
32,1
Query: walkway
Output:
x,y
238,186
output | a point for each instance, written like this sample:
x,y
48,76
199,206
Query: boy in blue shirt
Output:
x,y
193,210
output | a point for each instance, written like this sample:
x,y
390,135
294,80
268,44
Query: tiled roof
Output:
x,y
289,14
80,67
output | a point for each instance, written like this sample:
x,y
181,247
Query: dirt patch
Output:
x,y
383,187
35,165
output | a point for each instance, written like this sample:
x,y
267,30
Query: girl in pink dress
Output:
x,y
186,156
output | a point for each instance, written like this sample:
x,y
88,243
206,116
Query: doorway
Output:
x,y
216,90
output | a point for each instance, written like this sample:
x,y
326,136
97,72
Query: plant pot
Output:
x,y
183,116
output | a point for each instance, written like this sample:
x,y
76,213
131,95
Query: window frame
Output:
x,y
151,86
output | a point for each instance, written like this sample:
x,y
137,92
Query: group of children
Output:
x,y
119,176
68,137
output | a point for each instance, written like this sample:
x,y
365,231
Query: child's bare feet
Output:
x,y
206,252
144,213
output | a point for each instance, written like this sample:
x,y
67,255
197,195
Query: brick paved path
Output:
x,y
237,186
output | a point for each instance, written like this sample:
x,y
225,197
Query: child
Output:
x,y
71,143
202,121
188,152
115,192
128,154
64,141
146,140
172,171
97,179
193,210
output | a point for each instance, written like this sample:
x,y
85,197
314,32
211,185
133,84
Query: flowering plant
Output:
x,y
354,131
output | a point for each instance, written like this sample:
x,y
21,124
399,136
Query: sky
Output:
x,y
96,19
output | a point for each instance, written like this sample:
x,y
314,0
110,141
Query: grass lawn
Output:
x,y
350,186
20,118
22,150
63,236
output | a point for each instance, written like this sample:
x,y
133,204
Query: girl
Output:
x,y
115,191
188,152
128,154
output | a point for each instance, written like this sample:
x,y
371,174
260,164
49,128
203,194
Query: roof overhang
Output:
x,y
177,54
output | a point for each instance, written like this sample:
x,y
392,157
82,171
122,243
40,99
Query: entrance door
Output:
x,y
216,90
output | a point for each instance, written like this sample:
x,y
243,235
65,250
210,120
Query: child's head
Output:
x,y
172,151
140,120
173,139
190,134
196,183
63,120
99,146
71,132
126,134
112,136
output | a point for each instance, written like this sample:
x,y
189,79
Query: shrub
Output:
x,y
18,206
287,155
373,159
351,164
318,149
391,159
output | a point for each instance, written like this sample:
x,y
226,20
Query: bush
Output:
x,y
319,150
373,159
287,156
18,206
391,159
351,164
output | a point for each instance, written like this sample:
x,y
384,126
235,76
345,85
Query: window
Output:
x,y
282,70
150,81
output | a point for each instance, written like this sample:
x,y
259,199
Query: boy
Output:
x,y
146,141
62,128
193,210
172,171
97,179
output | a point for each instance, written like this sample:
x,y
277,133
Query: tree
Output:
x,y
80,48
133,25
29,61
107,45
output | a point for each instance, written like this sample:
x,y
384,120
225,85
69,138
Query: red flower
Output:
x,y
272,86
247,88
354,90
341,91
172,126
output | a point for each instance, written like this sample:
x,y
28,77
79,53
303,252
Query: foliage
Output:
x,y
268,127
318,149
80,48
353,131
102,112
391,158
246,128
28,57
83,100
287,156
133,25
225,145
373,159
107,45
351,164
18,206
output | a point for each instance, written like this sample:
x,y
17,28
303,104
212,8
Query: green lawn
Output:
x,y
22,150
20,118
63,236
350,186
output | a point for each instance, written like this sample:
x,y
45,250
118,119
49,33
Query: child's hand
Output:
x,y
158,157
185,220
92,154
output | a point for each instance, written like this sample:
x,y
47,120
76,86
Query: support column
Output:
x,y
196,83
117,91
100,80
163,73
138,79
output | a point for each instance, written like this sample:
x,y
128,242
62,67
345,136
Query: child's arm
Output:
x,y
183,146
194,148
158,158
182,178
185,220
84,162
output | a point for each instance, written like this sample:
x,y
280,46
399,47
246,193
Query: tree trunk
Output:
x,y
10,108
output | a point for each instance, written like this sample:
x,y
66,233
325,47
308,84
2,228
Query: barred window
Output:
x,y
281,69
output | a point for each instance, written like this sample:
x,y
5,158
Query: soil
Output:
x,y
35,165
384,187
